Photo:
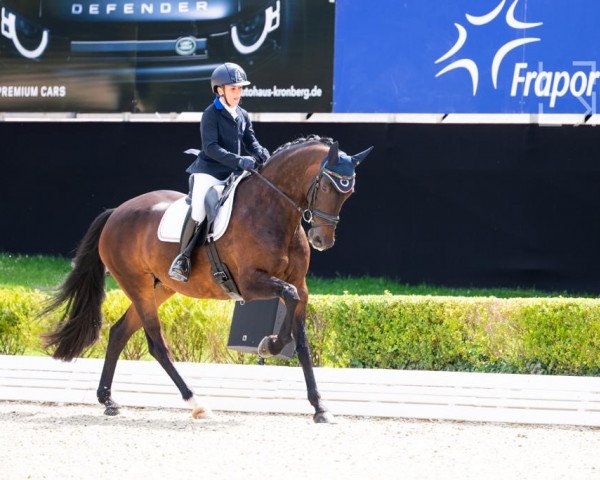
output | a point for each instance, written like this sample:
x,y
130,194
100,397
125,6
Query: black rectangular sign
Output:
x,y
158,55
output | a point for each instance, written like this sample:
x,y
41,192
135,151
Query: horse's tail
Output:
x,y
83,292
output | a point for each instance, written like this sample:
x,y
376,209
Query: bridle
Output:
x,y
342,183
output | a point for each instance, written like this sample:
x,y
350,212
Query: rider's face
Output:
x,y
232,94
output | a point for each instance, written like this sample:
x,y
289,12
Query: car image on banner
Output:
x,y
158,55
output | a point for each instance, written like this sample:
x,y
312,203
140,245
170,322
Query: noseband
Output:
x,y
342,183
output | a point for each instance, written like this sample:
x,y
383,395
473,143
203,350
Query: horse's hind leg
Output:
x,y
147,309
119,335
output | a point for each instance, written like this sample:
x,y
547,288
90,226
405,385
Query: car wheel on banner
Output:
x,y
29,40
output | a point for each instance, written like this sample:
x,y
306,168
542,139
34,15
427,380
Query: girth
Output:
x,y
220,272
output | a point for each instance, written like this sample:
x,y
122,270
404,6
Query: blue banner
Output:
x,y
467,56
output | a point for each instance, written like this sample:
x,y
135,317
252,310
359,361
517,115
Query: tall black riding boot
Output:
x,y
181,267
211,206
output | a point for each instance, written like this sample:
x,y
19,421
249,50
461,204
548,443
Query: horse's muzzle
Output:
x,y
320,242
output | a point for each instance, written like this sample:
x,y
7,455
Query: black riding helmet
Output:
x,y
228,74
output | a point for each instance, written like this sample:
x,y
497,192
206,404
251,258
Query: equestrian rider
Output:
x,y
225,127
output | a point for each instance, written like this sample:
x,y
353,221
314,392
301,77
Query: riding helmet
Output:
x,y
228,74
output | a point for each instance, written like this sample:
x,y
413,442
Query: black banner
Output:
x,y
158,55
454,205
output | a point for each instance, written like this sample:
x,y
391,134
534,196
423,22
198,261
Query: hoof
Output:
x,y
201,412
111,411
198,411
112,407
263,348
324,417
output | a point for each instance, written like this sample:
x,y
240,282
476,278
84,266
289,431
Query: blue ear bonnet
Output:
x,y
341,174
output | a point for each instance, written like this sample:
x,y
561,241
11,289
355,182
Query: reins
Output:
x,y
274,187
310,212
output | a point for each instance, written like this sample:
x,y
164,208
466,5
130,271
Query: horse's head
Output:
x,y
329,190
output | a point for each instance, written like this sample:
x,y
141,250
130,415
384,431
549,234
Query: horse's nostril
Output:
x,y
317,241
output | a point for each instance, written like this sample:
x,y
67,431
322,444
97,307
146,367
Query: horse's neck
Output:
x,y
294,172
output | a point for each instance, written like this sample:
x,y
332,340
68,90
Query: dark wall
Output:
x,y
455,205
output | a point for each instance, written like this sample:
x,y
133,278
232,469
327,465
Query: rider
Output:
x,y
224,128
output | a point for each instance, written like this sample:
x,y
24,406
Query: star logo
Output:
x,y
467,63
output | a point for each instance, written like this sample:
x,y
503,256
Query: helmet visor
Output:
x,y
243,83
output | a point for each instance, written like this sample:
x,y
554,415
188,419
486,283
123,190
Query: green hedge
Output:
x,y
556,336
544,335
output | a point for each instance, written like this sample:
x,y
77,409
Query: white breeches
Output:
x,y
202,183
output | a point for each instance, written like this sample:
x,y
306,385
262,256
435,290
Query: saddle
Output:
x,y
220,196
209,204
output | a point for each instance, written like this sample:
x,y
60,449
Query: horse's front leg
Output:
x,y
263,286
259,286
274,344
322,414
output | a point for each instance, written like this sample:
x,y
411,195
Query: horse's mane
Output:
x,y
312,138
300,140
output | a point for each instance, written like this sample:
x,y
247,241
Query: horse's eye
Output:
x,y
325,187
344,183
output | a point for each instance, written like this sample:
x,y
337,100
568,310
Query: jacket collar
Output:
x,y
217,103
223,108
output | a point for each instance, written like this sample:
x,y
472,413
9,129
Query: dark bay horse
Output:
x,y
265,248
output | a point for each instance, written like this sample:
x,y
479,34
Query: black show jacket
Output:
x,y
222,141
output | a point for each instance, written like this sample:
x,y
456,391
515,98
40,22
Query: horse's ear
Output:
x,y
359,157
333,156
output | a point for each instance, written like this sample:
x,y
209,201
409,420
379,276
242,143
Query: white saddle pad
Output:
x,y
172,220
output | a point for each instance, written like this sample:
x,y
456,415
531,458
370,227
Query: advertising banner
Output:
x,y
158,55
467,56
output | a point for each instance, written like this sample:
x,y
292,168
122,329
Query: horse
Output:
x,y
265,247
